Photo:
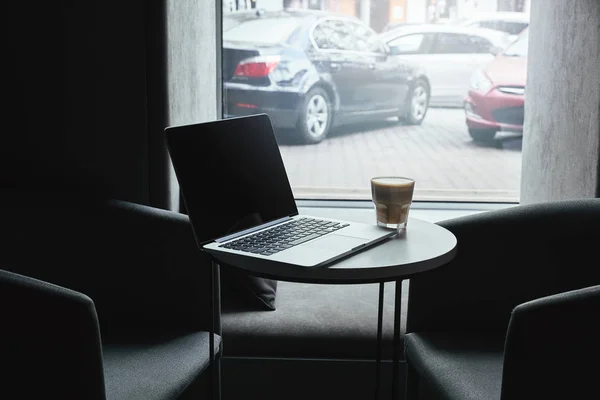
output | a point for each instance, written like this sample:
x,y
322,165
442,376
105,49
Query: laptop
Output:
x,y
239,199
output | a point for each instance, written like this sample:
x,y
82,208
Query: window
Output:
x,y
450,43
489,24
409,44
513,28
481,44
519,48
350,100
326,35
339,34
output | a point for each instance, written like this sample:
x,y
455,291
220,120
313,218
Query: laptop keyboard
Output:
x,y
284,236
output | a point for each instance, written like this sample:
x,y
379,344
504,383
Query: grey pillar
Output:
x,y
192,67
561,143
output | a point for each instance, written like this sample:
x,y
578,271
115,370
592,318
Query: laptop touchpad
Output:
x,y
335,242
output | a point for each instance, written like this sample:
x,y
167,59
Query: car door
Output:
x,y
339,64
412,49
385,80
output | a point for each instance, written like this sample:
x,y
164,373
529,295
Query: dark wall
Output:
x,y
75,97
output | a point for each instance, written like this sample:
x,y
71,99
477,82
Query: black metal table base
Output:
x,y
215,362
216,329
396,343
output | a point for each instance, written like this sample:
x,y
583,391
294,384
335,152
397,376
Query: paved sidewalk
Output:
x,y
439,154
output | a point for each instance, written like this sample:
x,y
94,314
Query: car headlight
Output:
x,y
480,82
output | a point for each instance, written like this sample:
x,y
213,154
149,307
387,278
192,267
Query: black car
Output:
x,y
310,69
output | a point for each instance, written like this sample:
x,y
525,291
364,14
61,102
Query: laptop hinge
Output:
x,y
250,230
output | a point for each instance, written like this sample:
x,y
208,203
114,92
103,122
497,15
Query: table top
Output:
x,y
422,247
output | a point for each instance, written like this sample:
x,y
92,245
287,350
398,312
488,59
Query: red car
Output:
x,y
497,93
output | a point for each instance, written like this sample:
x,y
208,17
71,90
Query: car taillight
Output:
x,y
256,67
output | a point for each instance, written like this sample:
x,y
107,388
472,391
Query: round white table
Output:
x,y
422,247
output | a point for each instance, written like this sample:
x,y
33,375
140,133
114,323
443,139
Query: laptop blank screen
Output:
x,y
231,175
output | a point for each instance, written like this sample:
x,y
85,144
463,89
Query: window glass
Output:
x,y
367,89
409,44
340,34
481,44
514,28
364,38
449,43
333,34
519,48
323,35
489,25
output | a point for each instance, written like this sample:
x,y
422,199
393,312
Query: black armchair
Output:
x,y
516,315
101,300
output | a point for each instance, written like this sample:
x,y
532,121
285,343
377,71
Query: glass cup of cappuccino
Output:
x,y
392,196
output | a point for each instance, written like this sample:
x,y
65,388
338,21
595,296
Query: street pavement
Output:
x,y
439,154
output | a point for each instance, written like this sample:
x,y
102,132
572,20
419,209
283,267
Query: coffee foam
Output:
x,y
393,181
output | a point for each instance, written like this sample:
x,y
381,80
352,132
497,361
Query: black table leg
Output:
x,y
379,334
397,312
215,362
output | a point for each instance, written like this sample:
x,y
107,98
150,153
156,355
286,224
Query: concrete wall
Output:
x,y
91,86
192,80
561,143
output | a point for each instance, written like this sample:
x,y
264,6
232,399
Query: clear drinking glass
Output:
x,y
392,196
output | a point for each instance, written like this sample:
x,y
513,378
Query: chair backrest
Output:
x,y
504,258
123,255
551,347
49,341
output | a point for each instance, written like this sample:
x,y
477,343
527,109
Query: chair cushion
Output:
x,y
455,366
157,369
312,321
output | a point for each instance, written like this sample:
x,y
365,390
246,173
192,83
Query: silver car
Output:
x,y
448,53
510,22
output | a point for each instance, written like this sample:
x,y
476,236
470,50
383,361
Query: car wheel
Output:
x,y
482,135
417,103
315,117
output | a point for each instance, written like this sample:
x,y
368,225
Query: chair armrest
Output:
x,y
504,258
50,340
549,345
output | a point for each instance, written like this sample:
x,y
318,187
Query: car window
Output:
x,y
338,34
454,43
481,44
519,48
365,39
333,34
513,28
323,35
489,24
408,44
